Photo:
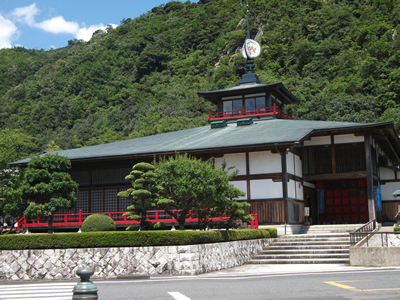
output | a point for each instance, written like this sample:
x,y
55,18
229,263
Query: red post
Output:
x,y
80,217
274,108
256,220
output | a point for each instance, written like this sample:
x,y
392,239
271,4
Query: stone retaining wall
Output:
x,y
114,262
376,254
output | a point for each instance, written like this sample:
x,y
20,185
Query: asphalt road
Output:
x,y
379,284
362,284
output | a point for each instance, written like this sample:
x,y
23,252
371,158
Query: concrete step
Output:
x,y
312,239
307,249
303,256
317,235
310,242
332,228
273,247
300,261
303,251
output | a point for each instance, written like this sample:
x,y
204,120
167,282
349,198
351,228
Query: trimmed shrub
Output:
x,y
98,222
397,228
273,232
126,239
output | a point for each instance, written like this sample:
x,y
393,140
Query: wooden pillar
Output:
x,y
370,177
248,173
284,183
333,154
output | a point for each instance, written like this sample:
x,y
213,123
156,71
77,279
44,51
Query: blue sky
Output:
x,y
43,24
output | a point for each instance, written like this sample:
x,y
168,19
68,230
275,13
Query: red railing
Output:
x,y
250,112
152,216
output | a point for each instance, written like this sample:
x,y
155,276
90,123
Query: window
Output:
x,y
232,105
253,105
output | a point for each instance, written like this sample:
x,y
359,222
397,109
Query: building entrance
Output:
x,y
345,201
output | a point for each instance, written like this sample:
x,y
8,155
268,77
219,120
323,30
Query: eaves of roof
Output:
x,y
250,88
269,132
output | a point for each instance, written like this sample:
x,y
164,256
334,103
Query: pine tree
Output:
x,y
143,193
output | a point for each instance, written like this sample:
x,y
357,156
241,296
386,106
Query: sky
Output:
x,y
46,24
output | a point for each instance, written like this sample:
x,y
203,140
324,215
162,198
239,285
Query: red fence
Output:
x,y
251,112
152,216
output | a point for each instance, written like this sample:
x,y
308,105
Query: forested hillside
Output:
x,y
340,58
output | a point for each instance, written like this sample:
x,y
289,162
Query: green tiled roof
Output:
x,y
260,133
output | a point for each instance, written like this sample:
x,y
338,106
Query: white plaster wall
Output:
x,y
318,140
265,189
293,164
290,163
295,190
298,166
388,188
264,162
238,160
347,138
386,174
299,188
241,185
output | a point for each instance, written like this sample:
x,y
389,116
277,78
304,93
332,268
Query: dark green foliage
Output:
x,y
141,78
126,239
98,222
192,184
11,205
144,192
48,187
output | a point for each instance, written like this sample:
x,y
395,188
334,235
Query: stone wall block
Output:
x,y
111,262
172,250
183,249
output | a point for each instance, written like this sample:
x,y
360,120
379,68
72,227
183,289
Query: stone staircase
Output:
x,y
333,228
328,248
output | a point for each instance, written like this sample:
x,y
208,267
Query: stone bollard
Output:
x,y
85,289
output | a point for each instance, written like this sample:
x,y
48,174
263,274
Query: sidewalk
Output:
x,y
279,269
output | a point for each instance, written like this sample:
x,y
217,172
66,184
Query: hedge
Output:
x,y
111,239
397,228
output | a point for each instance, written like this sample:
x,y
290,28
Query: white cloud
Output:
x,y
58,25
86,33
26,14
7,33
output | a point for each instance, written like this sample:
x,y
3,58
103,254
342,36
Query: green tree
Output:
x,y
11,208
48,187
143,193
234,209
190,183
14,145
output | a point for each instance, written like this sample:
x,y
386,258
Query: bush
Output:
x,y
126,239
273,232
397,228
98,222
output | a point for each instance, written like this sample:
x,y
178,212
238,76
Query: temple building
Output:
x,y
342,172
337,169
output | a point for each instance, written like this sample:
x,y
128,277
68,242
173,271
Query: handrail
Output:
x,y
360,233
369,235
76,219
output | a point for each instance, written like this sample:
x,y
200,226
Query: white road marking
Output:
x,y
178,296
51,291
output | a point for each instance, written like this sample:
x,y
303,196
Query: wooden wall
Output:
x,y
389,210
268,211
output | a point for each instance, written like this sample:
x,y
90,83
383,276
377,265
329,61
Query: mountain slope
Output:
x,y
340,58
